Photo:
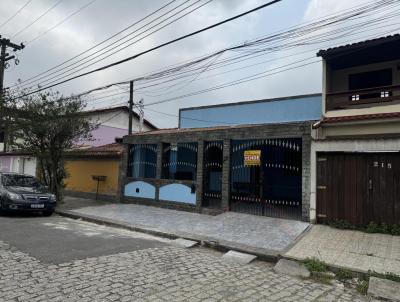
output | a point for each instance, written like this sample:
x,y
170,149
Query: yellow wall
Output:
x,y
80,175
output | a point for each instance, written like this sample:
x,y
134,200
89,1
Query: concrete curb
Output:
x,y
223,246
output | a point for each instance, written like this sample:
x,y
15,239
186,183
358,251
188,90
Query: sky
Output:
x,y
103,18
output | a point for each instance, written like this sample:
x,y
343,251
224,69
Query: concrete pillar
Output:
x,y
226,175
159,160
159,168
123,169
199,176
313,183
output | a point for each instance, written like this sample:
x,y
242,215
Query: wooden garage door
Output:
x,y
358,188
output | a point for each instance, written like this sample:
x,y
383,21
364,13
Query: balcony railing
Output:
x,y
353,98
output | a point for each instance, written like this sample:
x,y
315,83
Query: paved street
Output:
x,y
59,259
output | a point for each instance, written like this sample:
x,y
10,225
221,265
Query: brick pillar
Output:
x,y
159,167
199,176
226,174
159,160
123,169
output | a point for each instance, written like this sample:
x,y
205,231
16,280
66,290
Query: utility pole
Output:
x,y
141,114
4,57
130,107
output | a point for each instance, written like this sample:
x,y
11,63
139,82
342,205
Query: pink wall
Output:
x,y
105,135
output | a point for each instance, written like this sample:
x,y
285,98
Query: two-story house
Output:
x,y
355,159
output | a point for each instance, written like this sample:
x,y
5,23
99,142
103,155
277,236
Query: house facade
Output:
x,y
112,124
94,172
355,159
250,157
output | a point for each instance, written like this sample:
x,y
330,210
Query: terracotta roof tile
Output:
x,y
366,43
351,118
109,150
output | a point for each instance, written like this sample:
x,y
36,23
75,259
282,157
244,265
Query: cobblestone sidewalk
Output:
x,y
157,274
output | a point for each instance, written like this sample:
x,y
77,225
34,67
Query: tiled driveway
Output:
x,y
250,232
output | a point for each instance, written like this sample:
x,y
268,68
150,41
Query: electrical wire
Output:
x,y
156,47
64,73
37,19
15,14
103,41
214,68
61,22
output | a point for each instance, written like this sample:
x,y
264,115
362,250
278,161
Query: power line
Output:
x,y
157,47
102,42
373,5
37,19
235,69
62,21
42,84
291,45
370,24
65,73
216,53
16,13
239,81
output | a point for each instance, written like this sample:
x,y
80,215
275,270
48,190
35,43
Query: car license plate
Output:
x,y
37,206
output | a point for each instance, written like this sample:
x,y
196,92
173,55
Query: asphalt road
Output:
x,y
57,239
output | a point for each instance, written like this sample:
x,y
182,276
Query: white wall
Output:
x,y
23,164
118,119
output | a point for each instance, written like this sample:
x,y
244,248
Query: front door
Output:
x,y
384,188
358,187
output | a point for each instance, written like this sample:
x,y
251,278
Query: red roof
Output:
x,y
110,150
354,118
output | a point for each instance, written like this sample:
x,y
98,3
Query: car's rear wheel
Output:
x,y
48,213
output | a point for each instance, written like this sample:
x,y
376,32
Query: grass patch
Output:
x,y
344,274
342,224
362,287
315,265
372,227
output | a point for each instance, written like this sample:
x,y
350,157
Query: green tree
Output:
x,y
47,125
